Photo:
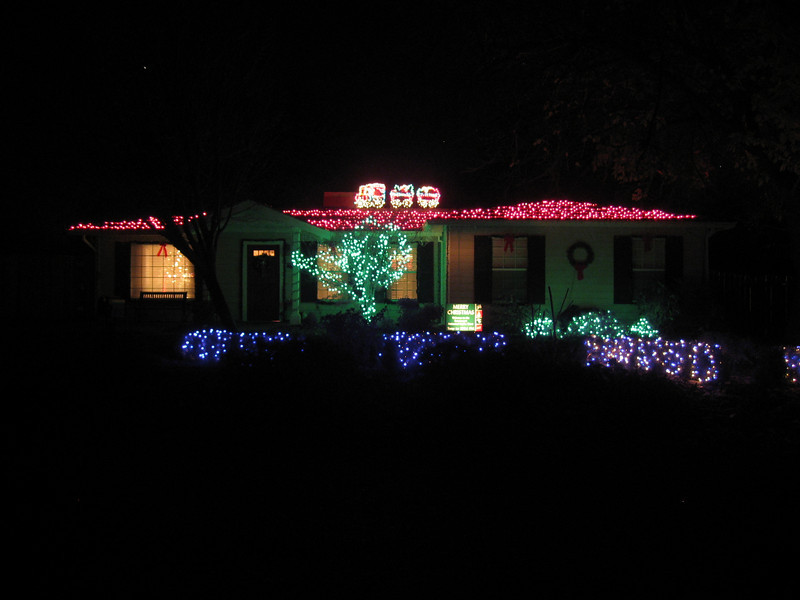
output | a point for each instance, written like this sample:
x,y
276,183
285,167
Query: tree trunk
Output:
x,y
208,276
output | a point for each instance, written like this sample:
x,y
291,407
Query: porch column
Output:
x,y
294,283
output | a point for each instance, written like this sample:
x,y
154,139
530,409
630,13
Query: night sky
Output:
x,y
362,95
356,92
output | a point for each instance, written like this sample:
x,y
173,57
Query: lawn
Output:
x,y
134,470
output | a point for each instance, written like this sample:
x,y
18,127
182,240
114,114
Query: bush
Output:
x,y
415,317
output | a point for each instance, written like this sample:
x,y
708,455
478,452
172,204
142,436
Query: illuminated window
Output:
x,y
509,269
160,268
324,292
406,286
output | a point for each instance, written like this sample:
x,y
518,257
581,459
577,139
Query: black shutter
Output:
x,y
122,270
308,283
425,280
673,262
536,280
623,270
483,269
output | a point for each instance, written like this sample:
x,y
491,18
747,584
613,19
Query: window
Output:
x,y
642,264
160,268
405,287
509,269
323,291
648,263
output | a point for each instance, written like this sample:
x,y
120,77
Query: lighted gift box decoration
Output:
x,y
402,196
373,196
428,196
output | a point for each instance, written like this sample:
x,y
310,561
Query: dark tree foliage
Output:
x,y
691,106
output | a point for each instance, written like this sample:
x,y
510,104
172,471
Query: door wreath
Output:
x,y
580,265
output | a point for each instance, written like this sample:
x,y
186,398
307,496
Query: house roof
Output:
x,y
337,219
244,216
545,210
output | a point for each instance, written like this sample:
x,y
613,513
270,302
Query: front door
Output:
x,y
263,282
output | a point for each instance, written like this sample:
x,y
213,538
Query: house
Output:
x,y
599,257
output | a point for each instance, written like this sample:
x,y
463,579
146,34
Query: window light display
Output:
x,y
160,268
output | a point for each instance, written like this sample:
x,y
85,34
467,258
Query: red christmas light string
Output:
x,y
415,219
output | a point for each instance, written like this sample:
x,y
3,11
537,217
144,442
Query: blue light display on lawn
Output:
x,y
792,357
689,360
419,349
412,349
212,344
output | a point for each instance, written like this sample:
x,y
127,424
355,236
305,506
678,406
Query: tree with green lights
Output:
x,y
371,257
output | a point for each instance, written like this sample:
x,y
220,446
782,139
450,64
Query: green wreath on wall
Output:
x,y
580,265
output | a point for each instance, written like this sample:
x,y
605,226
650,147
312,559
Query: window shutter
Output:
x,y
673,262
425,279
308,283
536,274
122,269
623,270
483,269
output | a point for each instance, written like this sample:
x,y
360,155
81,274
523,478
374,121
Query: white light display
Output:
x,y
428,196
371,195
402,196
695,361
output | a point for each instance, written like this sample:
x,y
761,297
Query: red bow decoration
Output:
x,y
509,247
579,267
162,249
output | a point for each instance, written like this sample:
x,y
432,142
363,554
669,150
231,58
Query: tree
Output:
x,y
196,126
368,258
659,104
686,107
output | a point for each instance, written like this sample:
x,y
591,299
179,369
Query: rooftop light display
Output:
x,y
402,196
546,210
371,195
138,225
335,219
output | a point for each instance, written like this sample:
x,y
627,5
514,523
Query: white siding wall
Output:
x,y
596,289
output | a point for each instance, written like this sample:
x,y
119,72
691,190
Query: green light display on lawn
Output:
x,y
601,324
370,257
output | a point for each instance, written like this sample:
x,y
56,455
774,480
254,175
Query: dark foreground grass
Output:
x,y
135,475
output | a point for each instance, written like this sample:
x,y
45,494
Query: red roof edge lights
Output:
x,y
545,210
334,219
